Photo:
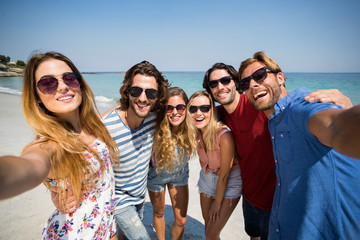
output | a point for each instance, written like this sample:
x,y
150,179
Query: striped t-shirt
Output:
x,y
135,152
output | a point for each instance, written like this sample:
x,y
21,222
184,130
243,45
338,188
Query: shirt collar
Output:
x,y
283,103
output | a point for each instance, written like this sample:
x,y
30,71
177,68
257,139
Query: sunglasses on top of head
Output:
x,y
258,76
149,92
224,81
179,108
49,84
203,108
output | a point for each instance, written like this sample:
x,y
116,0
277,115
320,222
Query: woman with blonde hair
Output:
x,y
220,178
73,150
172,149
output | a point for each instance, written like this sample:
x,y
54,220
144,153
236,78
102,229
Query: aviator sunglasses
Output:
x,y
258,76
179,108
224,81
49,84
203,108
137,91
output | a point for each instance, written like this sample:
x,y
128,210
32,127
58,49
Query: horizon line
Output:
x,y
193,71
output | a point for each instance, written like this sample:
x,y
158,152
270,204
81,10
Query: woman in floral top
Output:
x,y
92,218
73,150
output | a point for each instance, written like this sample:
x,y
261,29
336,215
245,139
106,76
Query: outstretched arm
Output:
x,y
19,174
330,95
339,129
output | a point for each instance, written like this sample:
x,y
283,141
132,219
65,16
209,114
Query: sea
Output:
x,y
106,85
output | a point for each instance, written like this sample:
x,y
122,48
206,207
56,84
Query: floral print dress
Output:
x,y
94,218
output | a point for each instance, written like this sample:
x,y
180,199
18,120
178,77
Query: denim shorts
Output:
x,y
208,182
157,181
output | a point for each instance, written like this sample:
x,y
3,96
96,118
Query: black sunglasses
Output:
x,y
203,108
137,91
224,81
179,108
49,84
258,76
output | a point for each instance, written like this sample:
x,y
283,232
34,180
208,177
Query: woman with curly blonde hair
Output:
x,y
73,149
220,178
172,149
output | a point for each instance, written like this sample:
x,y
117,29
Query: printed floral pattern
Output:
x,y
94,219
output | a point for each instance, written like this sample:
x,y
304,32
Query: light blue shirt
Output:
x,y
317,194
135,152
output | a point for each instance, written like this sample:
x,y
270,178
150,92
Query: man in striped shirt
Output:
x,y
132,126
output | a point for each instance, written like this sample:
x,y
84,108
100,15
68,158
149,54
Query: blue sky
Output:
x,y
187,35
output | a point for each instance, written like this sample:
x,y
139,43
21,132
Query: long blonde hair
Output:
x,y
211,129
166,140
68,163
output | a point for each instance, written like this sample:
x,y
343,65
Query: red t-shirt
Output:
x,y
254,148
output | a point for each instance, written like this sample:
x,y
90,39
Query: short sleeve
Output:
x,y
303,111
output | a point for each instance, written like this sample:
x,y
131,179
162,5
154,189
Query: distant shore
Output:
x,y
18,73
10,74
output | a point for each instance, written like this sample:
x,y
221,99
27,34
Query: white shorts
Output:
x,y
208,182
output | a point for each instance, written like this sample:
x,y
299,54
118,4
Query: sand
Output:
x,y
23,216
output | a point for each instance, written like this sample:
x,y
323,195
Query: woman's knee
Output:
x,y
159,213
158,210
180,221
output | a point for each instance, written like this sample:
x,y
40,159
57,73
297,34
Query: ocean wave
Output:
x,y
104,99
104,104
10,91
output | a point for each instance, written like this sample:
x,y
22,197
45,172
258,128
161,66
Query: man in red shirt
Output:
x,y
253,145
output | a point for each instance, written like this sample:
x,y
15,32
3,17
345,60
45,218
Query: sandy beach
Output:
x,y
23,216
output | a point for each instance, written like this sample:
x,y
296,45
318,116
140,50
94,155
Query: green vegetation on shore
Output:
x,y
11,69
6,60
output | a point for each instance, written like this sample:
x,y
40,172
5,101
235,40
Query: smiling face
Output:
x,y
65,101
142,105
263,96
224,94
201,119
175,118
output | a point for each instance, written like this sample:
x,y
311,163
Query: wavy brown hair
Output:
x,y
147,69
166,139
209,136
68,163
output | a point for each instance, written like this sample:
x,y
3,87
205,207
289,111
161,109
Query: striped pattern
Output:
x,y
135,152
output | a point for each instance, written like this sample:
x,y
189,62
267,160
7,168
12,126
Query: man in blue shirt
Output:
x,y
318,180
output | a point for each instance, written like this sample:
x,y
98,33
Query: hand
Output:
x,y
214,212
67,203
330,95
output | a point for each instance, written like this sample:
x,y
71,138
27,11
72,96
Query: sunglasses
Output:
x,y
258,76
179,108
137,91
203,108
49,84
224,81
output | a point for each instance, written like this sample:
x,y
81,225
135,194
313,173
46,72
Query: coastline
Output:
x,y
24,216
